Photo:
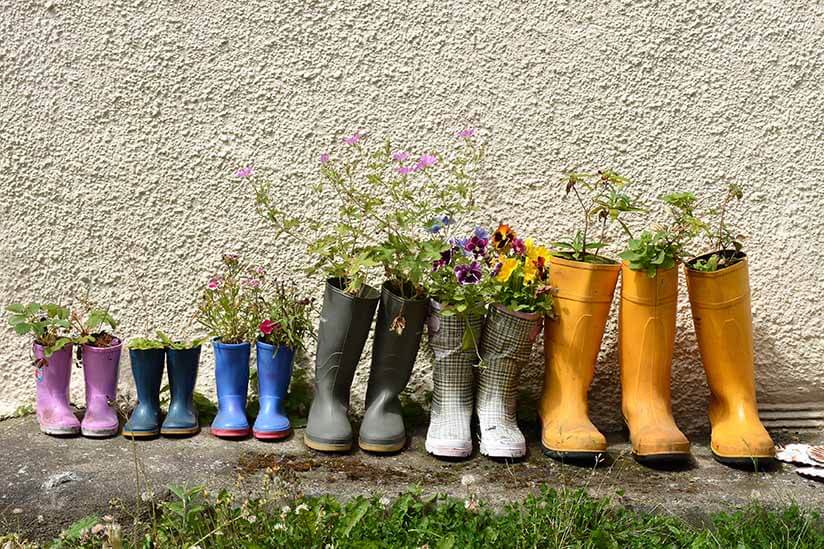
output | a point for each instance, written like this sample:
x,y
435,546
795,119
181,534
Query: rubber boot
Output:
x,y
274,374
506,344
345,321
720,303
646,326
572,341
398,332
101,369
182,366
147,369
449,433
232,380
54,414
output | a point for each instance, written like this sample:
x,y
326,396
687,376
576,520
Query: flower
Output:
x,y
404,170
476,246
230,259
400,156
251,282
497,269
508,266
480,232
518,246
530,270
214,283
503,236
425,161
259,270
466,133
247,171
353,139
438,223
268,326
468,274
324,158
446,257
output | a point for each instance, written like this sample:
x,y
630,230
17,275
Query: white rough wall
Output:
x,y
119,122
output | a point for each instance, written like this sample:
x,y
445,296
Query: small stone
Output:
x,y
60,478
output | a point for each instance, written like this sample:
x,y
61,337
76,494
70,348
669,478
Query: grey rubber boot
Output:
x,y
449,433
345,321
398,331
506,344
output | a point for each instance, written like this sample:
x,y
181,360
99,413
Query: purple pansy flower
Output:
x,y
466,133
476,246
468,274
446,257
247,171
518,246
496,269
400,156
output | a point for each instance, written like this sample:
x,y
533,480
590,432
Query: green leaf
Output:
x,y
16,308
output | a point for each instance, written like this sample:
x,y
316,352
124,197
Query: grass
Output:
x,y
552,518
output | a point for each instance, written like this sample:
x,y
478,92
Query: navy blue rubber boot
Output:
x,y
232,379
181,365
274,374
147,369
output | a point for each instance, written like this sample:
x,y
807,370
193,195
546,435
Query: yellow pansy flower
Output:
x,y
508,265
530,270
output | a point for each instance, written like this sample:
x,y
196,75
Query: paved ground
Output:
x,y
47,483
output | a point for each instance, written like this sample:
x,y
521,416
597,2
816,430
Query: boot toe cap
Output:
x,y
660,440
736,442
573,436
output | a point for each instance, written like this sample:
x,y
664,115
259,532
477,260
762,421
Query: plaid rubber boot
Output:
x,y
449,432
505,347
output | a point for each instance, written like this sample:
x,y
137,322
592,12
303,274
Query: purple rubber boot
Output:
x,y
53,412
101,367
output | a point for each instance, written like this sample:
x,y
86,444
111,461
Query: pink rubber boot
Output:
x,y
101,367
53,411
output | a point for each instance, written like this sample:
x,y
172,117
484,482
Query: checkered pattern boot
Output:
x,y
449,432
505,347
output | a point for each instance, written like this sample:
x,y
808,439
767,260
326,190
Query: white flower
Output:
x,y
286,509
252,519
466,480
301,507
385,501
278,526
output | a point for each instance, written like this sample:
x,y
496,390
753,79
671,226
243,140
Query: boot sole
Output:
x,y
179,432
740,462
141,434
662,459
61,432
326,446
382,448
231,433
502,452
103,433
271,435
450,450
574,455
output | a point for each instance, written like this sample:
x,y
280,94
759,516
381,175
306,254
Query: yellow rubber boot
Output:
x,y
571,344
646,326
720,303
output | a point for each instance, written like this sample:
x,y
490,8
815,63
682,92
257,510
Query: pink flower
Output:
x,y
404,170
260,271
426,161
268,326
214,283
353,139
251,282
400,156
324,158
248,171
466,133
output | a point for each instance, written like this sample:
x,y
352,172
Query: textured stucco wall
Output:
x,y
120,120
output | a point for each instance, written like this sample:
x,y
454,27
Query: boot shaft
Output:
x,y
53,378
572,339
101,370
345,321
147,370
274,369
646,328
398,331
182,366
232,369
453,364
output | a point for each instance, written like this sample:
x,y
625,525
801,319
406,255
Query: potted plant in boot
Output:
x,y
226,310
281,334
49,327
148,357
719,292
182,364
585,282
521,298
459,294
646,330
99,352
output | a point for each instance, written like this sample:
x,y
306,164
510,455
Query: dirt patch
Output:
x,y
349,467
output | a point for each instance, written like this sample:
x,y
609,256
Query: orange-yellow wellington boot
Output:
x,y
646,326
720,304
571,344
